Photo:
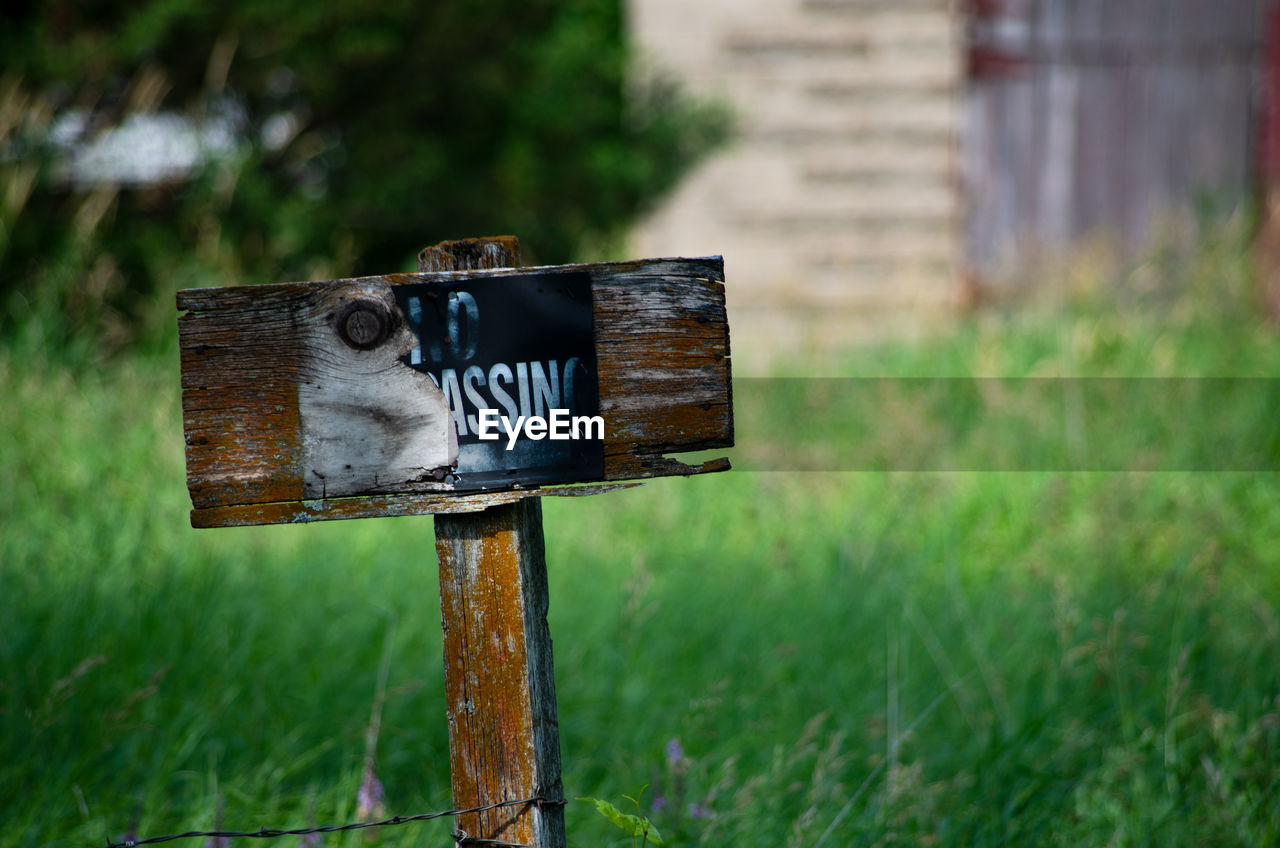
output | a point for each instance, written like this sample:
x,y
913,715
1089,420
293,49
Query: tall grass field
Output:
x,y
757,658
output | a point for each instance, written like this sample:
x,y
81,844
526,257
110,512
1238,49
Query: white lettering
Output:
x,y
561,426
488,419
415,318
469,378
498,375
546,393
453,397
522,383
464,336
587,422
512,432
571,368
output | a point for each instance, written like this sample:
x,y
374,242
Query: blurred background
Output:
x,y
159,145
897,161
997,188
869,169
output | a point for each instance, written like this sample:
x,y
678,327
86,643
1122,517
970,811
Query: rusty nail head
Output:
x,y
364,324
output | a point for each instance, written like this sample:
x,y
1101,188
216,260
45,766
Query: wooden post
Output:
x,y
313,401
504,739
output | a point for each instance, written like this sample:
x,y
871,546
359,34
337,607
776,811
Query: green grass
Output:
x,y
929,658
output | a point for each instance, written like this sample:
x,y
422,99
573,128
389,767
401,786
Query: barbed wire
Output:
x,y
267,833
460,837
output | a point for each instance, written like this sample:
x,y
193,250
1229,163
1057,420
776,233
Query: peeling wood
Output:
x,y
333,509
369,423
276,405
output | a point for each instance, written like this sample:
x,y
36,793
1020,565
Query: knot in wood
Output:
x,y
364,324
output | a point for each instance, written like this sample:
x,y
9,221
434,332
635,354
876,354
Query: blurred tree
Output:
x,y
363,130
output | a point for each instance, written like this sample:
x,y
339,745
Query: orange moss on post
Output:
x,y
504,739
504,736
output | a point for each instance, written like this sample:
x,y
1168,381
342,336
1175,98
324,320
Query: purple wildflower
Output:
x,y
218,841
311,840
370,797
674,753
697,811
658,803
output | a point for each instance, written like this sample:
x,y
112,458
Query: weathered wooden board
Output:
x,y
297,406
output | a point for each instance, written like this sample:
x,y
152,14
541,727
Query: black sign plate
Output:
x,y
515,358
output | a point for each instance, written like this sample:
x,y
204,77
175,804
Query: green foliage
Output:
x,y
397,125
946,659
639,828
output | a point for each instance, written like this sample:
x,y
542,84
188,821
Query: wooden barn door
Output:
x,y
1100,116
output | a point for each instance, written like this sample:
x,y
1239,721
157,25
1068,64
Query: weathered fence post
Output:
x,y
376,396
504,739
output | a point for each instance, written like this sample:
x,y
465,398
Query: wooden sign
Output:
x,y
365,397
515,361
